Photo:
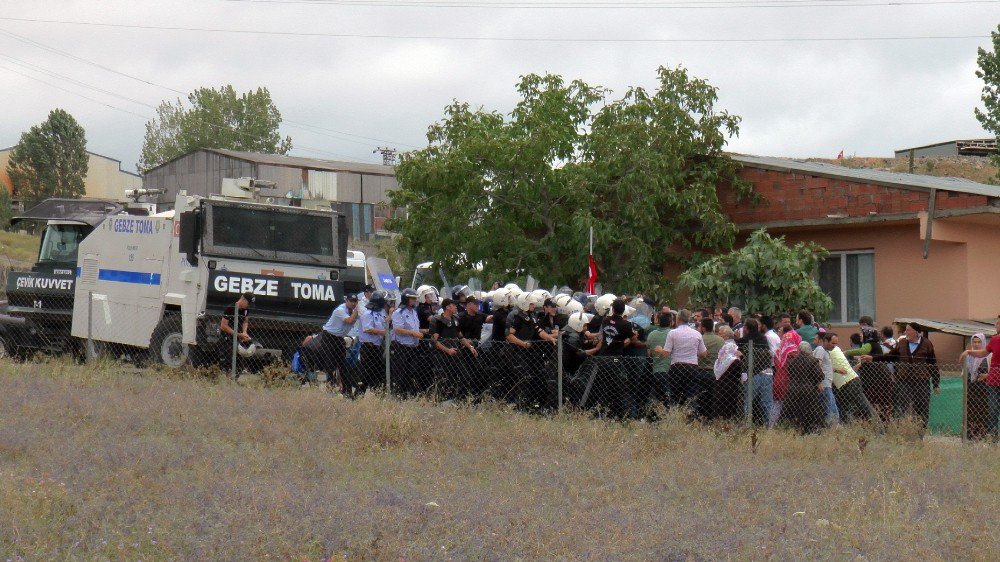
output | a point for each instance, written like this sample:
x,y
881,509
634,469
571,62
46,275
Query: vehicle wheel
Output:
x,y
167,345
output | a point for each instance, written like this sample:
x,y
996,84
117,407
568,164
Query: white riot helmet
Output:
x,y
524,302
561,302
578,321
513,289
541,295
603,303
501,297
573,307
424,290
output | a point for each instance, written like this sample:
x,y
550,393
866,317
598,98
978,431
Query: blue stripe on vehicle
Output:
x,y
129,276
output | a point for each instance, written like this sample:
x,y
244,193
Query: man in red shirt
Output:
x,y
992,378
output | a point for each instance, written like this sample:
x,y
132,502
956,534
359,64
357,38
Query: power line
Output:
x,y
145,117
501,39
322,131
68,91
65,78
660,5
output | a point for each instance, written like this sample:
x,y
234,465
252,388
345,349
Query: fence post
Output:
x,y
965,404
89,350
748,398
236,329
386,343
559,370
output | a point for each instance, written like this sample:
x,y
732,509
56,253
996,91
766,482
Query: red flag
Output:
x,y
591,275
841,155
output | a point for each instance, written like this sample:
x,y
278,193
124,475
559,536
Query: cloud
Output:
x,y
796,98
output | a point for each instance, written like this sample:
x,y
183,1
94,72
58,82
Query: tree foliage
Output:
x,y
518,193
50,160
216,119
6,211
989,72
765,276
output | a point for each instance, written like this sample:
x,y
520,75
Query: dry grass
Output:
x,y
113,464
975,169
17,250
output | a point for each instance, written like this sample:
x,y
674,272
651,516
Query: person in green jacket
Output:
x,y
661,365
805,327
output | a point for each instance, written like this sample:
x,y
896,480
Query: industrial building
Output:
x,y
358,190
105,177
953,148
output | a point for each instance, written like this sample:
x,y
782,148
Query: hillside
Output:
x,y
975,169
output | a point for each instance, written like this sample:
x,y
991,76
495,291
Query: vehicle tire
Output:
x,y
167,345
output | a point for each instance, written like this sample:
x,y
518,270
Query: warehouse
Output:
x,y
358,190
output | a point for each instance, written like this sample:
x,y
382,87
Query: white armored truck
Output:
x,y
160,283
39,307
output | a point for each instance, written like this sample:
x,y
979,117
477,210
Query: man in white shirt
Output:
x,y
684,345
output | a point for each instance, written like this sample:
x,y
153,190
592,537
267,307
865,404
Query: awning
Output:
x,y
83,211
965,328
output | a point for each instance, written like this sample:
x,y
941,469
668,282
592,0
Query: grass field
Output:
x,y
17,250
108,463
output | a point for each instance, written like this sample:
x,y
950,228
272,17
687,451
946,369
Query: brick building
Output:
x,y
876,226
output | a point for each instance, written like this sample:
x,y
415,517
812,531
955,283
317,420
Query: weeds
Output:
x,y
113,463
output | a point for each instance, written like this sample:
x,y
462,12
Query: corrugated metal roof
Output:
x,y
942,143
310,163
899,180
967,328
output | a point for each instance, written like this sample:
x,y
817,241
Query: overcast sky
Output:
x,y
378,72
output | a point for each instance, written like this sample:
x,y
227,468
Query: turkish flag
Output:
x,y
841,155
591,275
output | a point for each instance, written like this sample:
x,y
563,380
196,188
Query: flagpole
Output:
x,y
591,241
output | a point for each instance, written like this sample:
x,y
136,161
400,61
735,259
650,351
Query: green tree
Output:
x,y
766,275
6,211
989,72
216,119
50,160
517,193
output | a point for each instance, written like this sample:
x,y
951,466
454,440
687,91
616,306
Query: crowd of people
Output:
x,y
624,356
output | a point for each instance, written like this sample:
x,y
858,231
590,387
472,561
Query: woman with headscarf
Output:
x,y
790,341
978,403
804,407
727,393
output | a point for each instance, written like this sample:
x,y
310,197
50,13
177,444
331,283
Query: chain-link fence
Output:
x,y
807,389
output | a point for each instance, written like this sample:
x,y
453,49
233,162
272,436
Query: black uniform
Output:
x,y
553,324
529,385
424,313
451,378
616,379
226,343
471,325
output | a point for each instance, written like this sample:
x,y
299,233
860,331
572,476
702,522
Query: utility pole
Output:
x,y
388,155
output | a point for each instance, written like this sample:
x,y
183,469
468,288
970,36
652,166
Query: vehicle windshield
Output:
x,y
61,243
267,233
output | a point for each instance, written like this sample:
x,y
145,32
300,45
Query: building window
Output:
x,y
849,279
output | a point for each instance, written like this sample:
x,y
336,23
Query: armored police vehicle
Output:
x,y
161,283
39,306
